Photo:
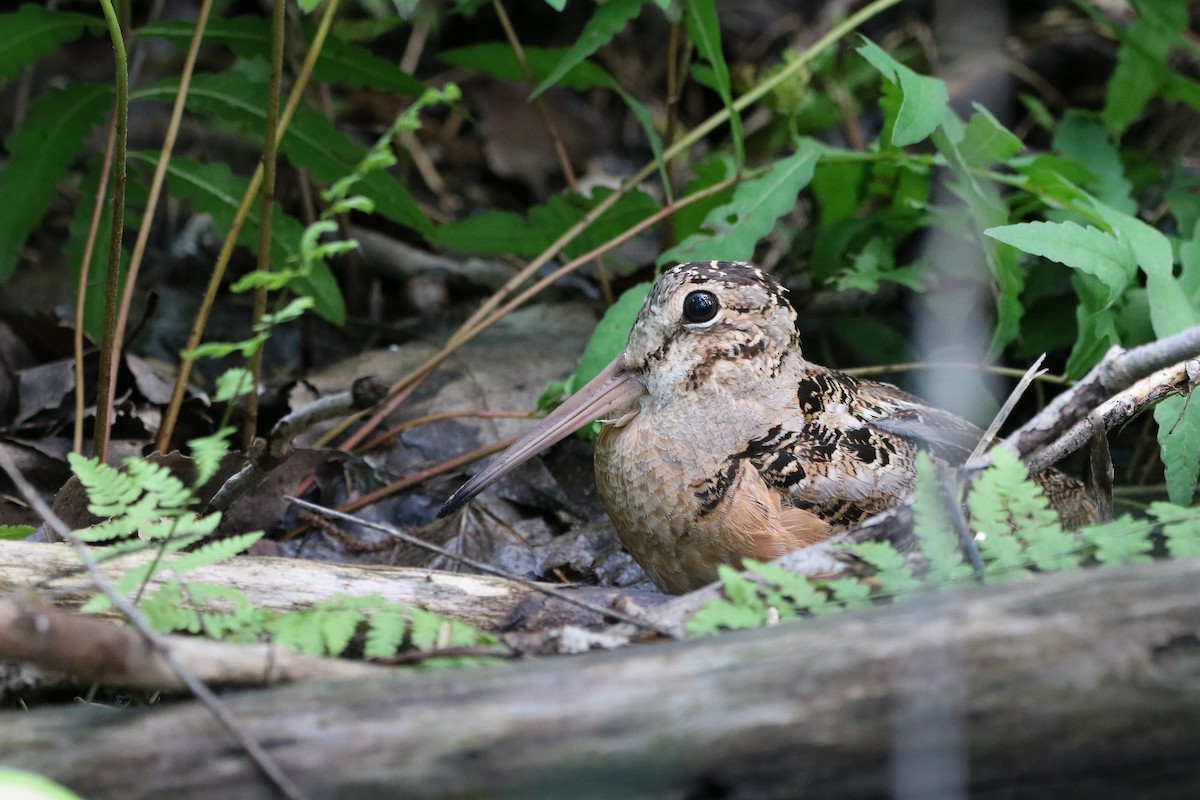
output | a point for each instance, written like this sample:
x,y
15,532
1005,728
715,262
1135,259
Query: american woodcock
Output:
x,y
721,442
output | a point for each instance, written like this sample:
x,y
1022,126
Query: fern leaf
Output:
x,y
426,629
1121,541
1005,502
1181,528
157,480
385,633
847,593
338,627
793,593
13,532
892,571
208,452
109,490
298,632
212,552
167,609
934,533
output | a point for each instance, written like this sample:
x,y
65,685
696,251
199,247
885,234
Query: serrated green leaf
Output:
x,y
733,230
39,153
1081,138
607,21
986,141
1141,61
34,30
935,535
926,102
700,18
849,592
1178,421
214,189
1088,250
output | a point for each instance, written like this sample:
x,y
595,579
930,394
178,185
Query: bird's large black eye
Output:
x,y
700,306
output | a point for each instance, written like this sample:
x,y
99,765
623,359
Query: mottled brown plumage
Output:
x,y
722,442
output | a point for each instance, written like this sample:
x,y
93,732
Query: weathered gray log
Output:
x,y
1083,684
286,584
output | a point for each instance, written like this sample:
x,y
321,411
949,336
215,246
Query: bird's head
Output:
x,y
711,326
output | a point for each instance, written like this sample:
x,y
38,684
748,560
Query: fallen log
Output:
x,y
286,584
1075,684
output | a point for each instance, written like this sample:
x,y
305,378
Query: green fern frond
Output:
x,y
892,572
213,552
209,451
935,535
386,634
1005,503
1181,528
1122,541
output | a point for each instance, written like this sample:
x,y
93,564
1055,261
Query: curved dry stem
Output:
x,y
171,415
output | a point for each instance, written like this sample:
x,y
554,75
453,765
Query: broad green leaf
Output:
x,y
986,141
961,145
732,230
700,17
311,141
607,21
705,173
1096,325
494,233
505,232
214,189
39,154
1189,266
1170,311
610,336
1178,421
926,101
339,61
320,285
1089,250
35,30
14,532
1141,61
1081,138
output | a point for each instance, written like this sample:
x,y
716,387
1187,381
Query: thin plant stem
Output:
x,y
539,102
104,394
85,264
156,184
269,157
403,387
171,415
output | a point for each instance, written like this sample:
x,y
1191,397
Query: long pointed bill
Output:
x,y
612,389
